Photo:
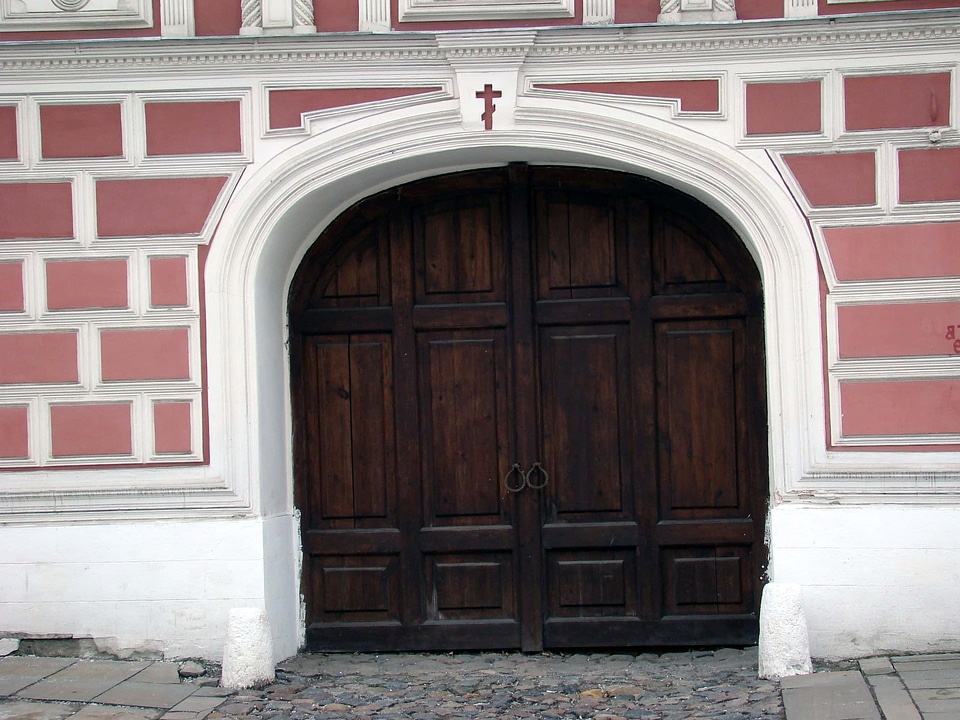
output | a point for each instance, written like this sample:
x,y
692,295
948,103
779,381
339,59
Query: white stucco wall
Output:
x,y
156,586
875,578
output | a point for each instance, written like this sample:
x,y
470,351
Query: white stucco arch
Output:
x,y
280,208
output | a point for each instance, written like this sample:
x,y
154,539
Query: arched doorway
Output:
x,y
529,412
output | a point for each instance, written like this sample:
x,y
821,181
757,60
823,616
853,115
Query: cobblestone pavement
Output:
x,y
675,686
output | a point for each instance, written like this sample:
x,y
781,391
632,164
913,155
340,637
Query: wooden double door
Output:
x,y
529,412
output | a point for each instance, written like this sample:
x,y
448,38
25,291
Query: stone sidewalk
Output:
x,y
913,687
697,685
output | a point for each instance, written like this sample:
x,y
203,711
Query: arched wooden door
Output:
x,y
529,412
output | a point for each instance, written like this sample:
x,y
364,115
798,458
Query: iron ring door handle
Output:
x,y
536,468
522,482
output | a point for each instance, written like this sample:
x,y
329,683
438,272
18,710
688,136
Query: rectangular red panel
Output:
x,y
172,431
38,358
694,95
14,433
929,175
901,330
145,354
11,287
286,106
86,284
781,108
217,17
836,179
337,15
8,133
81,131
91,429
168,281
895,251
188,128
919,407
897,101
36,210
155,206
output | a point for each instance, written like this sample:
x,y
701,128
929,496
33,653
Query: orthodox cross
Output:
x,y
489,95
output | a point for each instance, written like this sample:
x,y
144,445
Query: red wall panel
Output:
x,y
897,101
8,133
168,281
81,131
36,210
155,206
11,286
836,179
694,95
91,429
919,407
49,357
897,330
14,437
895,251
86,284
287,105
172,427
161,354
780,108
929,175
217,17
186,128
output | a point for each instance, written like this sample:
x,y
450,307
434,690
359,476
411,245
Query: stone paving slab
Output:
x,y
923,665
82,681
876,666
892,697
19,710
828,696
152,695
930,679
943,700
101,712
925,658
32,668
159,672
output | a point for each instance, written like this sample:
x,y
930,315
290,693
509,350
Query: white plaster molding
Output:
x,y
29,15
793,41
303,22
452,10
251,18
282,207
374,16
800,8
176,18
276,17
696,11
598,12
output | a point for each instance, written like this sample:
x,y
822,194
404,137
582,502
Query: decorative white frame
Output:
x,y
449,10
44,15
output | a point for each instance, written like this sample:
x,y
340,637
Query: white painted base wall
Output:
x,y
147,586
876,579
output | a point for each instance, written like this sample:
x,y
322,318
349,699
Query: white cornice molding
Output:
x,y
887,32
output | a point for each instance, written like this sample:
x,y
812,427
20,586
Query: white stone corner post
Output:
x,y
248,650
784,643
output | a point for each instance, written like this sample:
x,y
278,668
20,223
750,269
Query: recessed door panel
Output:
x,y
465,424
584,431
